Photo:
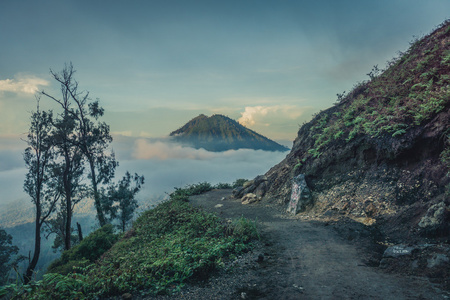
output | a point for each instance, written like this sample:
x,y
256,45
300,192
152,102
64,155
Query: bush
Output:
x,y
221,185
89,250
245,230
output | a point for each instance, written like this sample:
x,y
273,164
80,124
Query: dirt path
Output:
x,y
299,260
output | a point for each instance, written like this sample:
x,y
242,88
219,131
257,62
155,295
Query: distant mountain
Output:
x,y
220,133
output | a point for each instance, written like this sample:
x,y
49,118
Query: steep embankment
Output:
x,y
220,133
381,154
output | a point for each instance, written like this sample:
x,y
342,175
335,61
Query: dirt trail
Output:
x,y
299,260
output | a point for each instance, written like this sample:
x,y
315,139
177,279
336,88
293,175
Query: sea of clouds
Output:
x,y
164,164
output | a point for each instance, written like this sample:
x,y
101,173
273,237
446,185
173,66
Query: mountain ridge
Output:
x,y
220,133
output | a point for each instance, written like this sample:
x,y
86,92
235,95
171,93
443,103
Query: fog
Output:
x,y
164,164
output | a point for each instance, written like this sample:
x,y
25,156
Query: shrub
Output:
x,y
88,250
221,185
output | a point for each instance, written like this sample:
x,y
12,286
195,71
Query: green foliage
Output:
x,y
120,198
7,252
298,164
168,245
89,250
190,190
446,58
245,230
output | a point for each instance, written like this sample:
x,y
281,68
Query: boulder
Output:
x,y
257,186
397,251
436,221
249,198
300,195
437,260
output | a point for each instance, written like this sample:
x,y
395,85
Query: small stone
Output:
x,y
127,296
437,260
398,250
260,258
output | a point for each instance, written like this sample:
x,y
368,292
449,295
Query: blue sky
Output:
x,y
156,64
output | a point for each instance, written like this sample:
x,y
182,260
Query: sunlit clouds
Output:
x,y
265,115
27,84
148,149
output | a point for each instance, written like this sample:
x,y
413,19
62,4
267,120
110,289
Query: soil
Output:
x,y
302,259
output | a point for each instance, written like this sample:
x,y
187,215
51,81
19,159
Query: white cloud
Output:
x,y
266,115
23,84
148,149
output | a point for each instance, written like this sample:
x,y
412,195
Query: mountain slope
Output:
x,y
220,133
381,155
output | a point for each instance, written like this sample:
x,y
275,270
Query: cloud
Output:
x,y
266,115
164,149
23,84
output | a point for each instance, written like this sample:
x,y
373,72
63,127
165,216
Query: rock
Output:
x,y
260,258
300,195
261,189
437,260
247,184
370,210
249,198
257,186
127,296
238,192
435,221
397,251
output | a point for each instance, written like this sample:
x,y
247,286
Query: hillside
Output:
x,y
381,155
220,133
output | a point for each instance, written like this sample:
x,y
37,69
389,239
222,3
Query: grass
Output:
x,y
166,247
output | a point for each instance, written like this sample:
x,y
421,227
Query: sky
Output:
x,y
154,65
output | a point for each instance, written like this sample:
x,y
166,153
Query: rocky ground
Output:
x,y
309,258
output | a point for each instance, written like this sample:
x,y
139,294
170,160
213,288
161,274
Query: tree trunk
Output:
x,y
80,233
97,202
68,194
37,249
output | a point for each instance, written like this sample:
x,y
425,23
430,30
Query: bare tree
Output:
x,y
38,158
93,137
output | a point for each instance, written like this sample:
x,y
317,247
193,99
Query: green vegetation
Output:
x,y
166,247
8,256
411,91
87,251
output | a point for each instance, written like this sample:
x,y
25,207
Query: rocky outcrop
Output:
x,y
300,195
436,221
258,186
